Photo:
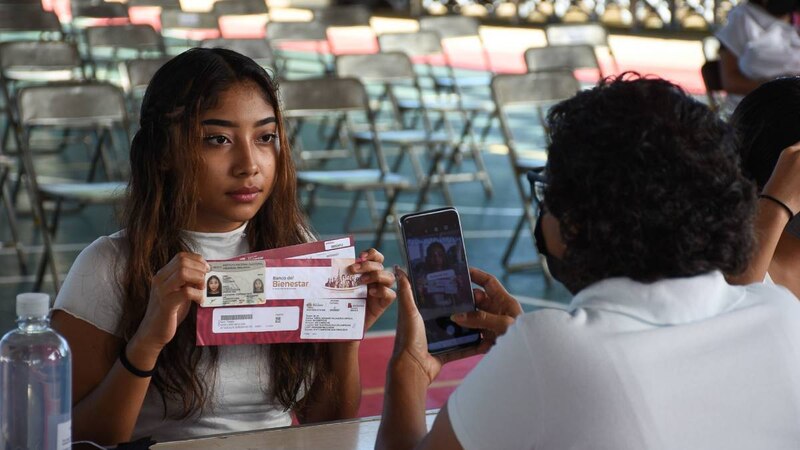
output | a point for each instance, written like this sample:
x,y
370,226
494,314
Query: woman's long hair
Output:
x,y
162,201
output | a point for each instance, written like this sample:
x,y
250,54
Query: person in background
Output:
x,y
211,178
646,210
767,124
758,43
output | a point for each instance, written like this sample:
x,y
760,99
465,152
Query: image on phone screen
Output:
x,y
439,275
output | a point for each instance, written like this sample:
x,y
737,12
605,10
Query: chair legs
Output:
x,y
11,216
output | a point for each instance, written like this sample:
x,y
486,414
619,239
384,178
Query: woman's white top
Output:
x,y
240,401
689,363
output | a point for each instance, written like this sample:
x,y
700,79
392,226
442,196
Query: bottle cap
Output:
x,y
33,304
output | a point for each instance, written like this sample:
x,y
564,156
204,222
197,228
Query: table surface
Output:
x,y
344,435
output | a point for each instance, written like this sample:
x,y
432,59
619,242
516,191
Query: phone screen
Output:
x,y
437,266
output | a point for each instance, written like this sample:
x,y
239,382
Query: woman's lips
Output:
x,y
244,195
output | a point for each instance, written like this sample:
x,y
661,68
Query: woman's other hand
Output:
x,y
497,309
172,291
784,184
379,284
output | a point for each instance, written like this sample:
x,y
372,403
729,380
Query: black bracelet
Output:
x,y
783,205
123,358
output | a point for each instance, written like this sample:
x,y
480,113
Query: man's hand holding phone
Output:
x,y
497,309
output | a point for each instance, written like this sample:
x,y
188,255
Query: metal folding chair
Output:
x,y
592,34
6,166
562,57
425,48
453,27
301,42
326,96
239,7
189,28
22,23
258,50
389,72
135,75
532,92
109,45
95,107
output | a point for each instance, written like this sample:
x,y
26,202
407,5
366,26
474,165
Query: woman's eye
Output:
x,y
216,140
269,138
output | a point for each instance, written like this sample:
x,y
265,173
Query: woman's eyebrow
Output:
x,y
229,124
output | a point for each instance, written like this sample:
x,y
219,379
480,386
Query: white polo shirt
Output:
x,y
690,363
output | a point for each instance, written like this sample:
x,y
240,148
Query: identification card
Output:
x,y
231,283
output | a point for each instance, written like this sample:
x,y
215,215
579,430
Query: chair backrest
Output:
x,y
25,19
256,49
104,10
376,68
296,31
569,57
139,36
343,16
450,26
177,19
71,104
239,7
571,34
166,4
534,88
40,60
137,73
315,96
422,43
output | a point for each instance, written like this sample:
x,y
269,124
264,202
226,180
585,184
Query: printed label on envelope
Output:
x,y
232,283
331,280
333,319
248,320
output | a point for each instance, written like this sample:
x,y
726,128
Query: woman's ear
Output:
x,y
551,229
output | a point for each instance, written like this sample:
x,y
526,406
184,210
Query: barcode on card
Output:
x,y
237,317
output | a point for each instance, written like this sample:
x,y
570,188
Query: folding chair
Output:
x,y
459,27
326,96
109,45
534,92
425,48
592,34
348,29
343,16
389,71
562,57
189,28
299,41
92,12
135,75
258,50
241,18
30,62
21,23
6,166
96,107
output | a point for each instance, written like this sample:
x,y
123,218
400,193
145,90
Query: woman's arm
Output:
x,y
107,398
771,218
733,80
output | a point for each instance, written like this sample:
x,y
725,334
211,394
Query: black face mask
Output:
x,y
781,7
558,269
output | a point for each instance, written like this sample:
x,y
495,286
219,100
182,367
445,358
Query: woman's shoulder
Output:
x,y
92,290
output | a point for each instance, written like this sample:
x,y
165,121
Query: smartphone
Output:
x,y
437,267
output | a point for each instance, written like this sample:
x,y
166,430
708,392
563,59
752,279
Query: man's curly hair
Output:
x,y
645,183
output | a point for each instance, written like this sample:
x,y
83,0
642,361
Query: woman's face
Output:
x,y
438,258
258,284
239,149
213,285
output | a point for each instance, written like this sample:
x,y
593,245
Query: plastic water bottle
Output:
x,y
35,381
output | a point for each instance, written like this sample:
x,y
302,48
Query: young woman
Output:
x,y
766,122
211,178
646,209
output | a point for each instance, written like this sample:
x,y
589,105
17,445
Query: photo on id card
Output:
x,y
234,283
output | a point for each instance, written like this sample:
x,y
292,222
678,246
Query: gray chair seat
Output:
x,y
405,137
86,192
449,105
353,179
